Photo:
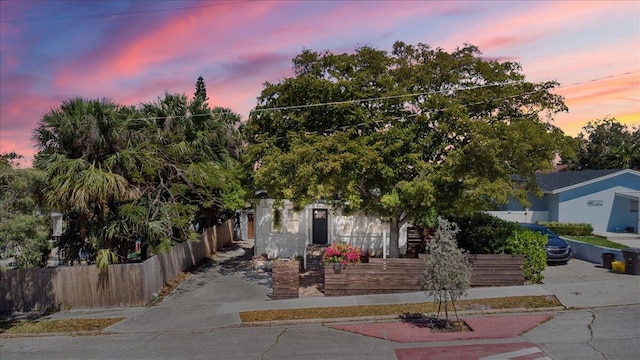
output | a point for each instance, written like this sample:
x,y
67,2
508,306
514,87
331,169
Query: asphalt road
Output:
x,y
192,324
602,333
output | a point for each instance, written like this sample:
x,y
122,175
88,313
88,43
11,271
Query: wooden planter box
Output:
x,y
285,279
382,276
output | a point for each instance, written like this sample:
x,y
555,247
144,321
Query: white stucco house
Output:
x,y
288,233
606,199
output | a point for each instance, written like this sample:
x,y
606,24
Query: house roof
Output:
x,y
561,181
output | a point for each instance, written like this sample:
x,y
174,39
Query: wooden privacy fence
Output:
x,y
285,279
122,285
382,276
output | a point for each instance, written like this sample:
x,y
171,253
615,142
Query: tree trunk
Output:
x,y
394,237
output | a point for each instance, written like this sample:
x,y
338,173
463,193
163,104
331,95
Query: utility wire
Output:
x,y
599,79
402,118
355,101
432,111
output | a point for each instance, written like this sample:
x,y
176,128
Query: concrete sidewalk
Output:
x,y
215,296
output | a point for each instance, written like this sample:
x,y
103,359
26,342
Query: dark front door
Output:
x,y
320,226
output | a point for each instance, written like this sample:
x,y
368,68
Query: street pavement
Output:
x,y
200,319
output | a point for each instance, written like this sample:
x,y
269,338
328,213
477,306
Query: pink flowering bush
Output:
x,y
341,252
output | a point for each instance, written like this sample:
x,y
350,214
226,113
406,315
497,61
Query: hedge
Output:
x,y
568,228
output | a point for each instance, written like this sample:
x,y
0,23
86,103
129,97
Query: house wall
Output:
x,y
537,204
553,206
294,234
282,243
594,203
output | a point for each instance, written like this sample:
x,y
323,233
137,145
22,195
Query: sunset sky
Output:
x,y
133,51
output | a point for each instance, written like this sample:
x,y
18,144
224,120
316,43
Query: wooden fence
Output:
x,y
382,276
122,285
285,279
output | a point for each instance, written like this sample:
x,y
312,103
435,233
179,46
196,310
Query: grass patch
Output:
x,y
527,302
595,240
53,326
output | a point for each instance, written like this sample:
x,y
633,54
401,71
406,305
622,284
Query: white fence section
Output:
x,y
521,216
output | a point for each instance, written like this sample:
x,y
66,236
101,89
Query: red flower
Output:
x,y
341,252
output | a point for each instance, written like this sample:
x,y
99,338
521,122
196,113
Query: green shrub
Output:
x,y
481,233
569,229
531,244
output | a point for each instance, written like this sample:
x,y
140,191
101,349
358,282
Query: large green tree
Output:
x,y
24,228
608,144
405,135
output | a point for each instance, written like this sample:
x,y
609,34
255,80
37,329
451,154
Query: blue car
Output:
x,y
558,250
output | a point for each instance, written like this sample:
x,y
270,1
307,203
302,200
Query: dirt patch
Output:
x,y
53,326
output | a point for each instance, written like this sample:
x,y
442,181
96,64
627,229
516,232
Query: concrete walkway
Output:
x,y
216,295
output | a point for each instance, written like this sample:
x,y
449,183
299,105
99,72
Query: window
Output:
x,y
634,206
293,221
285,221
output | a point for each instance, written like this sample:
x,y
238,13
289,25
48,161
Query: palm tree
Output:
x,y
77,144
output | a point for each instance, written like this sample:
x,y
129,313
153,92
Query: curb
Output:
x,y
378,318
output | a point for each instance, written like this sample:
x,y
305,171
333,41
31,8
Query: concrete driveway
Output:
x,y
581,284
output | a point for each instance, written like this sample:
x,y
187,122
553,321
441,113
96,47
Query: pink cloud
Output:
x,y
539,21
190,38
617,97
624,88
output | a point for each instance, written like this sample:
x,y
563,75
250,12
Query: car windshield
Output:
x,y
541,229
546,231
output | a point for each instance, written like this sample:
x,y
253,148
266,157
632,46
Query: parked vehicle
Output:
x,y
558,250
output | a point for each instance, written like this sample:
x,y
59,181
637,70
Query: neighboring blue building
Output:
x,y
606,199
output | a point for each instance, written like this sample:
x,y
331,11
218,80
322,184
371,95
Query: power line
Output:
x,y
355,101
127,13
401,118
600,79
432,111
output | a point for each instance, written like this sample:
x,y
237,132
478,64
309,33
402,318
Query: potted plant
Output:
x,y
340,254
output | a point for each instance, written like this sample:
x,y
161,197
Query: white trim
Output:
x,y
592,181
633,195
